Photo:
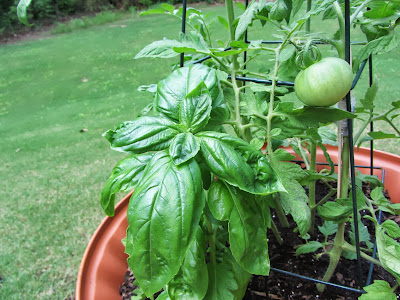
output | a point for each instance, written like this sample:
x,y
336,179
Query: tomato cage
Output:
x,y
360,283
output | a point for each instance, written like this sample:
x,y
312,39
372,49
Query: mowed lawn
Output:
x,y
58,94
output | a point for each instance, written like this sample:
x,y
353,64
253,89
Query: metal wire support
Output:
x,y
348,44
351,146
182,62
371,125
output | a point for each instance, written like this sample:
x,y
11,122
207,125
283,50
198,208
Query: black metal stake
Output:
x,y
351,146
183,30
371,125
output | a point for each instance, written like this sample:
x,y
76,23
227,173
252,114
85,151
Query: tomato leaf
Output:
x,y
124,177
223,154
310,247
333,211
191,282
191,42
328,228
227,280
21,11
382,44
391,228
247,17
172,90
161,49
163,215
388,252
143,134
297,121
379,9
380,289
195,108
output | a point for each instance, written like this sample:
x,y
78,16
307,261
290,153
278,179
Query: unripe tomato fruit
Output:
x,y
324,83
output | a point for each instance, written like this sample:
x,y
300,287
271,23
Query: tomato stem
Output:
x,y
334,255
341,43
308,22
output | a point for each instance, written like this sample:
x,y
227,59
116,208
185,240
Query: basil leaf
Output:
x,y
195,108
248,233
163,215
172,90
142,135
124,177
295,200
184,147
191,282
227,280
220,201
223,155
162,296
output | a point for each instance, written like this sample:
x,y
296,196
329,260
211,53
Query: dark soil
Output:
x,y
281,286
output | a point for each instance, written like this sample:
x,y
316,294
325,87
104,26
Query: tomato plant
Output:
x,y
324,83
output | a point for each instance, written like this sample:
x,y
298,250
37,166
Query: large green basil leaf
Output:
x,y
184,147
295,200
227,280
191,282
142,135
388,252
247,225
172,90
219,201
124,177
225,156
163,215
248,233
195,108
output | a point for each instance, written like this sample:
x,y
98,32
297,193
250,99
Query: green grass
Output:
x,y
85,22
52,174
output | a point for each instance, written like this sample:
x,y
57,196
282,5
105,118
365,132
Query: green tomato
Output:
x,y
324,83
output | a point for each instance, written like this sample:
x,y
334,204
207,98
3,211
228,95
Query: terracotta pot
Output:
x,y
104,263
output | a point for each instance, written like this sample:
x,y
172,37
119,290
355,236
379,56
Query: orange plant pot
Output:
x,y
104,262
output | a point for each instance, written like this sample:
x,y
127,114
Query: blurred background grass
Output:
x,y
58,94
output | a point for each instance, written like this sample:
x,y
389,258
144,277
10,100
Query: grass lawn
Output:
x,y
52,173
